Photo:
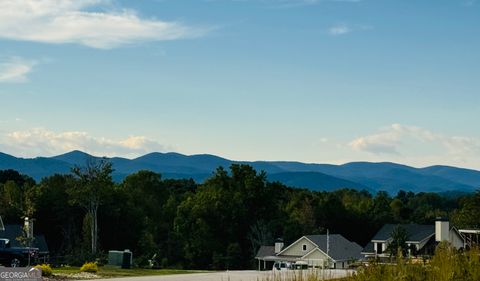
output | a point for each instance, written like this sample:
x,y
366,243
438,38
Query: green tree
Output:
x,y
92,182
211,222
468,214
399,238
57,219
11,205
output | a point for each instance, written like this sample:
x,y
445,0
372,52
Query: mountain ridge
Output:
x,y
372,176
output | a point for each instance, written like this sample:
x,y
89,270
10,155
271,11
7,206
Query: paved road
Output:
x,y
233,276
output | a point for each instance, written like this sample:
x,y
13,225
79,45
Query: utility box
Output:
x,y
127,259
115,258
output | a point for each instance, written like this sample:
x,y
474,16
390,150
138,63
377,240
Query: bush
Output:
x,y
448,264
91,267
46,269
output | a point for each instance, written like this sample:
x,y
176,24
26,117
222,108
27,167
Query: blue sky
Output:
x,y
326,81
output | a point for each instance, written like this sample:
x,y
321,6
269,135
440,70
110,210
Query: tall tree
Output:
x,y
58,220
399,241
92,183
467,216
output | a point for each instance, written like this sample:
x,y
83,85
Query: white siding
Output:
x,y
455,239
296,249
316,254
316,258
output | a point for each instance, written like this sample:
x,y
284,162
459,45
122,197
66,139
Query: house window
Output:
x,y
304,247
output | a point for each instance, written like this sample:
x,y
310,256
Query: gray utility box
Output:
x,y
123,259
115,258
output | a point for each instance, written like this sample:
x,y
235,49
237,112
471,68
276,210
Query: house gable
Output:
x,y
299,248
456,239
315,254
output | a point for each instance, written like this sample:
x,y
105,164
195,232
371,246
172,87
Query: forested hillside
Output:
x,y
218,224
373,177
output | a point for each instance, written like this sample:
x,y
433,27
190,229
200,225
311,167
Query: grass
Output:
x,y
447,264
112,272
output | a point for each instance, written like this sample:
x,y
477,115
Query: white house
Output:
x,y
321,251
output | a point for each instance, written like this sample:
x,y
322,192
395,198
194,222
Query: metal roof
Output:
x,y
369,248
265,251
415,232
339,249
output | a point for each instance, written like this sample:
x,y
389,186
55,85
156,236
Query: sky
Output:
x,y
322,81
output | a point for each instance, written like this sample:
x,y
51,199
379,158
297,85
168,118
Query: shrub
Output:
x,y
46,269
91,267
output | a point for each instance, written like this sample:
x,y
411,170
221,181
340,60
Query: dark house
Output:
x,y
12,231
421,239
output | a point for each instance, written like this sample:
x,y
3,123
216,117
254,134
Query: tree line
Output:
x,y
219,224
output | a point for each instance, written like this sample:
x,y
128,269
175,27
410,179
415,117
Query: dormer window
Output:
x,y
304,247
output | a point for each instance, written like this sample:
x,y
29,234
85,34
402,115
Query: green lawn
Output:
x,y
110,272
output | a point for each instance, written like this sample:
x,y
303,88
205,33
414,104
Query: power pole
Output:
x,y
328,248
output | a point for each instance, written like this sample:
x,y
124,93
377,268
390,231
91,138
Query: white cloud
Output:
x,y
40,141
15,70
343,28
339,29
93,23
413,144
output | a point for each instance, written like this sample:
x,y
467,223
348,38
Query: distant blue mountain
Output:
x,y
387,176
315,181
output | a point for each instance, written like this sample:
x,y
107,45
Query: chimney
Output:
x,y
442,229
278,245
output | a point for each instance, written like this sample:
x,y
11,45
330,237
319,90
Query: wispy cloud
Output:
x,y
40,141
93,23
15,70
345,28
339,29
416,142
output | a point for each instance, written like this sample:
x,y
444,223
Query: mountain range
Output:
x,y
373,177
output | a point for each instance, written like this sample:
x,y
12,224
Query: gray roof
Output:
x,y
369,248
265,251
12,231
340,248
415,232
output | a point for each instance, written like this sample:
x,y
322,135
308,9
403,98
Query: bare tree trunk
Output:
x,y
95,230
94,226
